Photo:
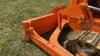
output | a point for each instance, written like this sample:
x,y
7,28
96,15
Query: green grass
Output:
x,y
12,13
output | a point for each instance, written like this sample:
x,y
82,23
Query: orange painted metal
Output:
x,y
78,16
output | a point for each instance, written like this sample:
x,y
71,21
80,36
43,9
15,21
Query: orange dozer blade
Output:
x,y
78,16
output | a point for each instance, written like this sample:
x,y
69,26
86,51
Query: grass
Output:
x,y
12,13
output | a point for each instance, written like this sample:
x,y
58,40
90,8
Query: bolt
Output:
x,y
82,16
72,17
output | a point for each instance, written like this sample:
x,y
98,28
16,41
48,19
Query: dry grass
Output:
x,y
12,13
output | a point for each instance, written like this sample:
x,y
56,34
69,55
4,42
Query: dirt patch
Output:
x,y
82,40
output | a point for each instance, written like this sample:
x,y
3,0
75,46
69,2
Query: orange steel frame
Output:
x,y
78,16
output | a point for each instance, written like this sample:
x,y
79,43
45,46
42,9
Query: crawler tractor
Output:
x,y
80,21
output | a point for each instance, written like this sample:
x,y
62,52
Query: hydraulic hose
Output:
x,y
94,8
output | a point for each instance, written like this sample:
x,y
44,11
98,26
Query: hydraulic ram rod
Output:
x,y
94,8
